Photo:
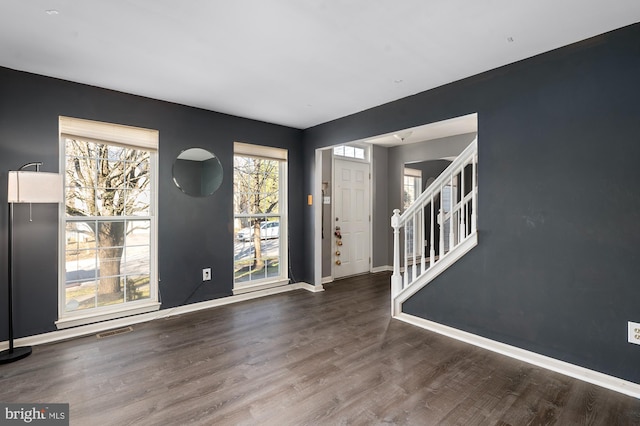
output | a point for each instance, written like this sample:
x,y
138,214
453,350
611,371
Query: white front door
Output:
x,y
351,218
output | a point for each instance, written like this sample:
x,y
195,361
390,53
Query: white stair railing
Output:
x,y
443,218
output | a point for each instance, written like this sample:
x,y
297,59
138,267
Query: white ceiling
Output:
x,y
293,62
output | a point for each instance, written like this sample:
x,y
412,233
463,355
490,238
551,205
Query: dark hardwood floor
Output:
x,y
301,358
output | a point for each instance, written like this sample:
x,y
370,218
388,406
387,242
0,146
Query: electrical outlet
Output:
x,y
634,332
206,274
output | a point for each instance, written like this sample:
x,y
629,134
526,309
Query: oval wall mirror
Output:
x,y
197,172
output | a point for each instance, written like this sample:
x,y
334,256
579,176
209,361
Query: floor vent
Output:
x,y
114,332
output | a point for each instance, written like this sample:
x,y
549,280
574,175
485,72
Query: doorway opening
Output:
x,y
388,156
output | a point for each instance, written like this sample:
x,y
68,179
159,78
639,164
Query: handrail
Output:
x,y
470,150
440,219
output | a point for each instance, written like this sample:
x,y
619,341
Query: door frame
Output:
x,y
317,221
317,213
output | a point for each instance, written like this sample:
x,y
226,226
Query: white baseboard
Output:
x,y
571,370
85,330
384,268
327,280
310,287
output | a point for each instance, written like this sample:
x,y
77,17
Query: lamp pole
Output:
x,y
13,354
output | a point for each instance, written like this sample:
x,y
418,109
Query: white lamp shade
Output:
x,y
34,187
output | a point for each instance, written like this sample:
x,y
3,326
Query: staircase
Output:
x,y
437,229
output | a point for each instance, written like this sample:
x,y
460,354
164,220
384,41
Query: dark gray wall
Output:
x,y
557,265
429,169
193,232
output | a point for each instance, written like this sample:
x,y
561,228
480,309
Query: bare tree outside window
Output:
x,y
256,204
107,206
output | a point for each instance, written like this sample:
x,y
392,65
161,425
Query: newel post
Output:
x,y
396,278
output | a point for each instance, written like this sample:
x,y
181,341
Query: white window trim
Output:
x,y
114,134
269,153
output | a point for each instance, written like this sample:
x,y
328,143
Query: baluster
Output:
x,y
396,278
405,276
467,217
413,248
451,221
441,221
410,248
416,241
432,231
421,242
462,231
455,220
474,195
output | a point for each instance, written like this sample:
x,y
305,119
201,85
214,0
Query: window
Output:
x,y
349,152
411,189
412,186
260,217
108,227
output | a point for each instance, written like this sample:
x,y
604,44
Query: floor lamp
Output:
x,y
25,187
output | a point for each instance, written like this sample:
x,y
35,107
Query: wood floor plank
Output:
x,y
301,358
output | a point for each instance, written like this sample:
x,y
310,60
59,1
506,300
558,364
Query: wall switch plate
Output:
x,y
206,274
634,332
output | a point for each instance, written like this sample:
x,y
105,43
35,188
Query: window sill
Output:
x,y
247,288
89,318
